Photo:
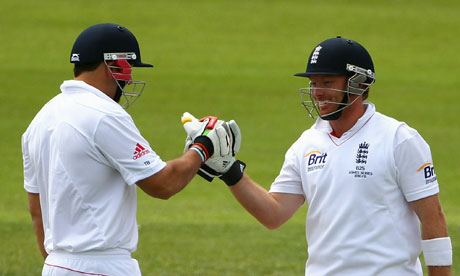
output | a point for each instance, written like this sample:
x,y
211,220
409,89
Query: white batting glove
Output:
x,y
217,165
193,127
221,164
227,167
208,133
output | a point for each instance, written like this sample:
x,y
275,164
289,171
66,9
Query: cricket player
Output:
x,y
83,157
368,179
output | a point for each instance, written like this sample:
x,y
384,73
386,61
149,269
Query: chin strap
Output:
x,y
120,85
336,115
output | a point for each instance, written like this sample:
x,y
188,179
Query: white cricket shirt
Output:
x,y
358,187
83,154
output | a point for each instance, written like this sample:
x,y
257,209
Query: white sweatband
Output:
x,y
437,252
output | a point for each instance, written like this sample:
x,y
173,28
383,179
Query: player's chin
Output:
x,y
326,109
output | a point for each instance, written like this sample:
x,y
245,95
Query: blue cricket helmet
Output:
x,y
339,56
100,42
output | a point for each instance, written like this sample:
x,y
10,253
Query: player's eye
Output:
x,y
327,83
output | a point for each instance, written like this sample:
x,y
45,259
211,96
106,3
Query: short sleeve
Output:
x,y
121,143
289,180
30,177
414,164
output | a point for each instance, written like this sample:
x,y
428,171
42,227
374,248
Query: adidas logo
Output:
x,y
140,151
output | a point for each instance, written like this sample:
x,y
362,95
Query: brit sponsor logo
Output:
x,y
140,151
428,171
361,161
315,160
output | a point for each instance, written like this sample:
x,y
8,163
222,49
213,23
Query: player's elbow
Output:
x,y
270,223
272,226
163,197
269,219
156,190
164,194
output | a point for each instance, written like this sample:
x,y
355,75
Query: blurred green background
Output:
x,y
234,59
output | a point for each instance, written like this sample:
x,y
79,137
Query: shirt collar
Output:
x,y
325,126
78,86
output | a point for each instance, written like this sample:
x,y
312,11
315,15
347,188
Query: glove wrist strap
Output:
x,y
234,174
205,144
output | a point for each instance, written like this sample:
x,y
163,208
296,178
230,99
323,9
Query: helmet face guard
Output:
x,y
128,89
357,84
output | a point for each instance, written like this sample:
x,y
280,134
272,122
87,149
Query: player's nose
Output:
x,y
319,93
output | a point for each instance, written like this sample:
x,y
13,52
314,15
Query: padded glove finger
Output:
x,y
236,136
222,143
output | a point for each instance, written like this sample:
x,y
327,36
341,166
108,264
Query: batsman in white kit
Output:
x,y
84,156
368,179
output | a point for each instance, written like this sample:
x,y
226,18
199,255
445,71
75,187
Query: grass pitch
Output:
x,y
233,59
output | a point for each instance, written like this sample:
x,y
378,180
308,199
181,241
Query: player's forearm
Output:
x,y
38,227
37,222
257,201
434,229
183,170
173,178
439,271
436,245
431,216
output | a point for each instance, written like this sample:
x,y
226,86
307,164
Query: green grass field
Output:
x,y
234,59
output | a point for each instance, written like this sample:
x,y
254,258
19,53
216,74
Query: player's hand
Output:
x,y
232,169
226,167
209,134
221,164
194,127
233,128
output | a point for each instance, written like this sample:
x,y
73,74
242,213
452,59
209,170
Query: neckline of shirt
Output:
x,y
324,126
75,86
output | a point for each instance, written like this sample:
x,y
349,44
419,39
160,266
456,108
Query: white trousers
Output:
x,y
105,263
